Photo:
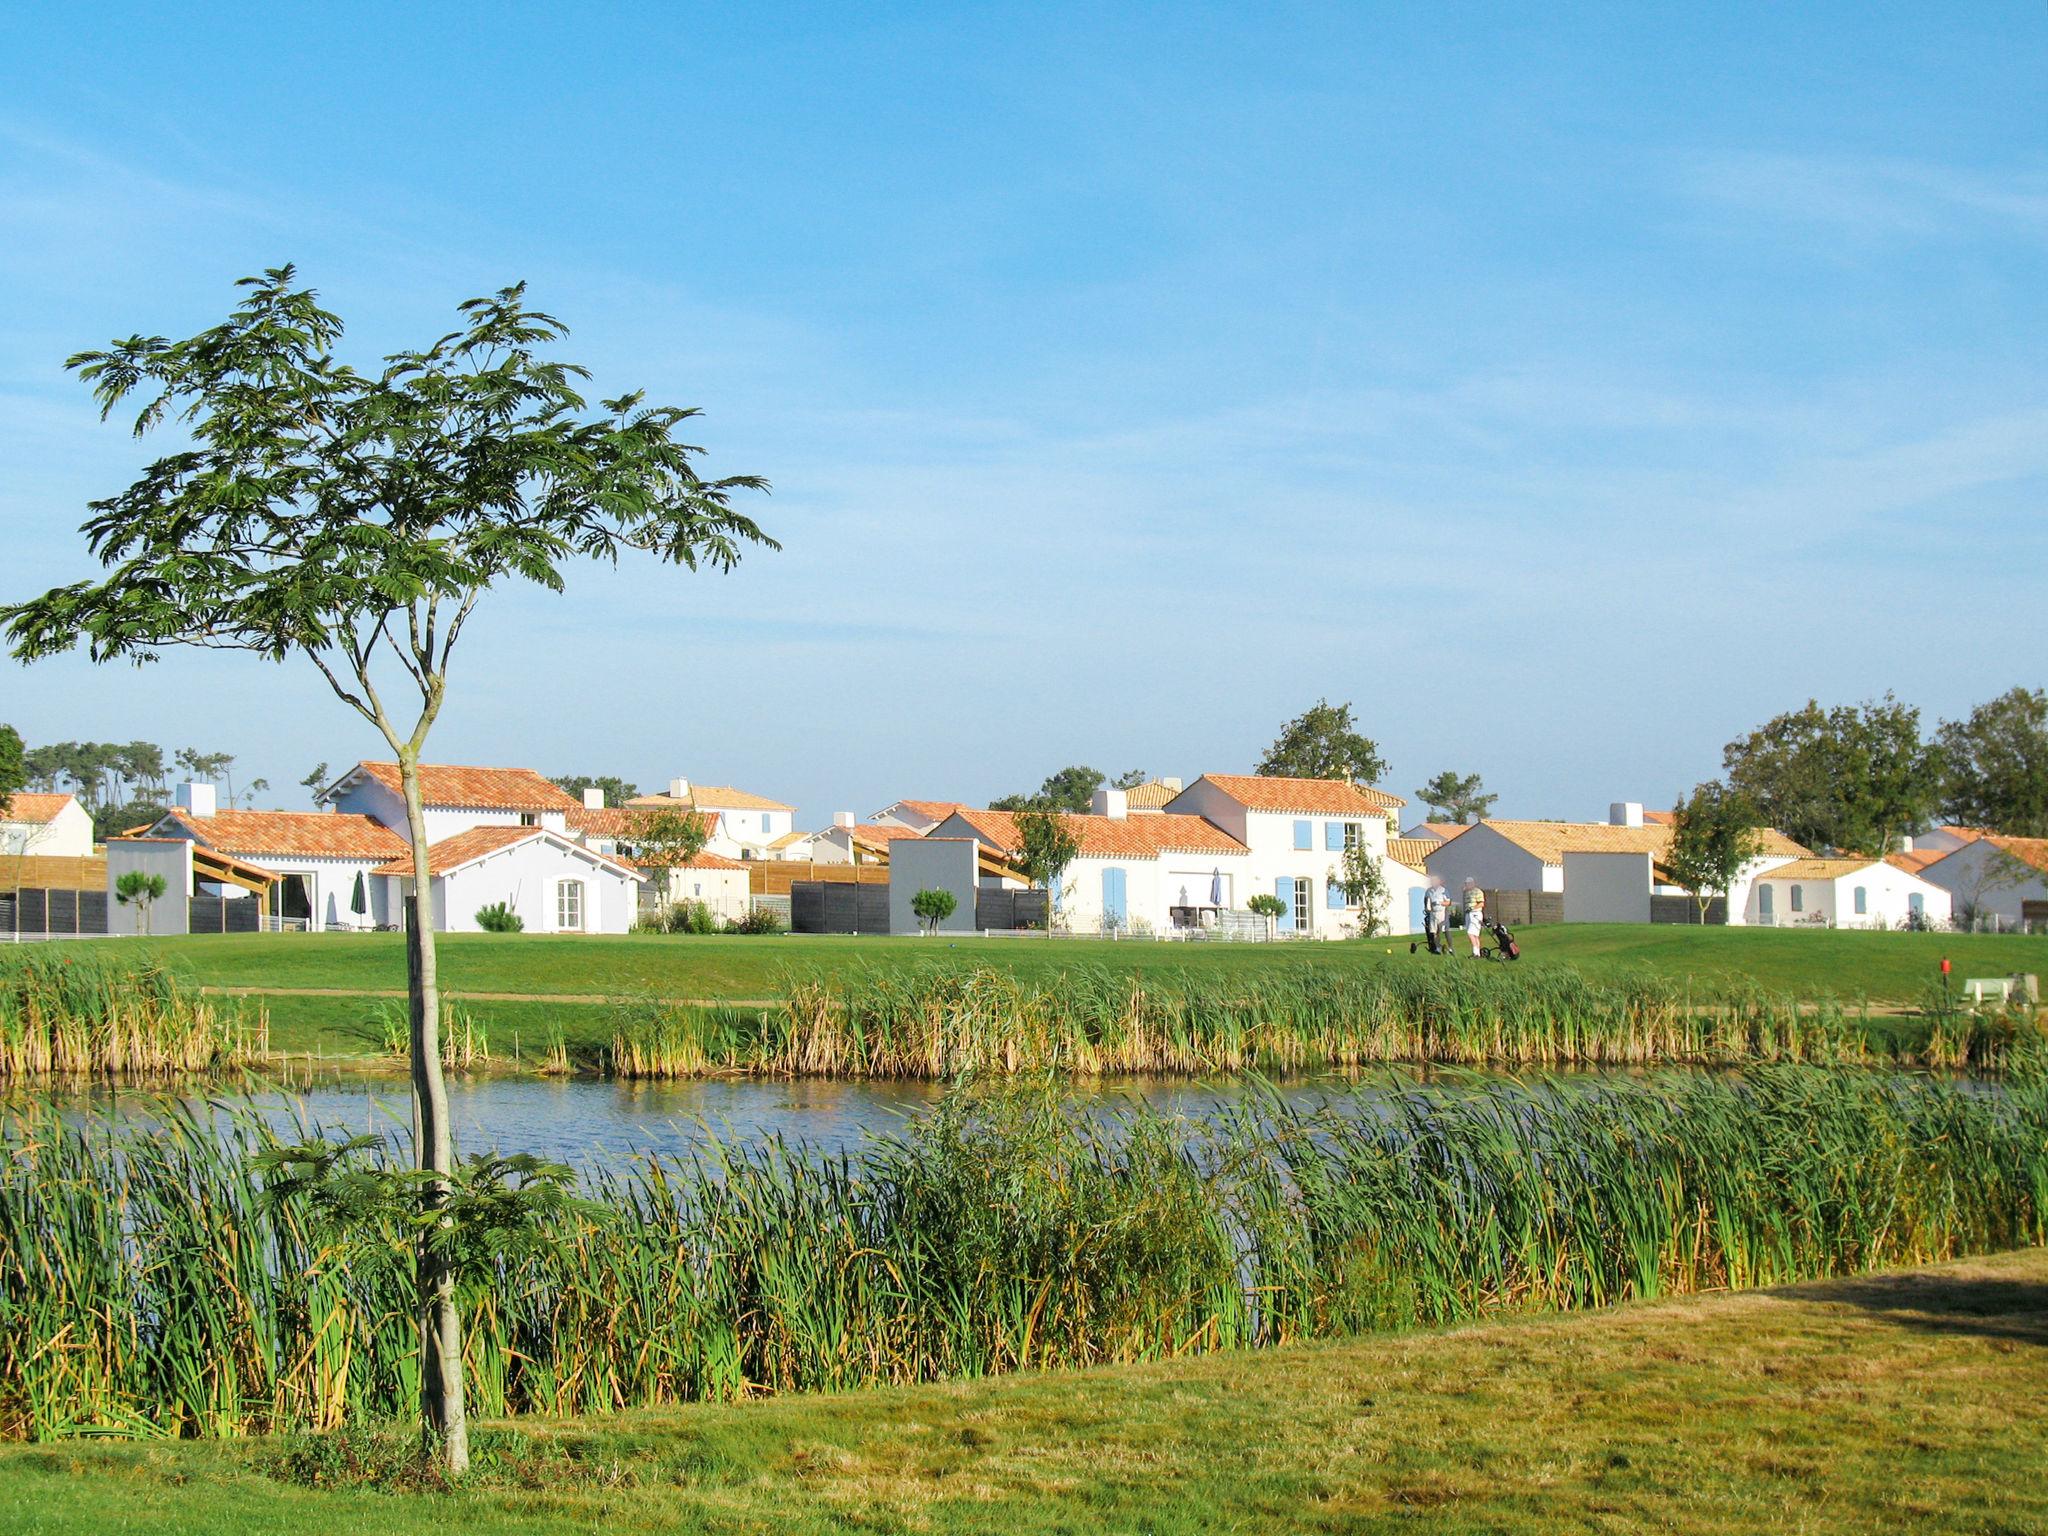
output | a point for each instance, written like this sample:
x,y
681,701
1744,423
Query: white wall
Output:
x,y
331,883
1606,887
67,835
1888,893
525,878
1491,862
1987,880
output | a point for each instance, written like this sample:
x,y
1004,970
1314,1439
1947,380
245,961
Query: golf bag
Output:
x,y
1509,949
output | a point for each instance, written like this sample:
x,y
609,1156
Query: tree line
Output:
x,y
124,784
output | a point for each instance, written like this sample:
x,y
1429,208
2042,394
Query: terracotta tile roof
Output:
x,y
1152,795
622,820
1913,860
1658,818
1821,869
2031,851
1444,831
497,789
309,834
702,861
1412,851
715,797
1550,841
1112,837
33,809
1330,797
451,853
937,810
868,832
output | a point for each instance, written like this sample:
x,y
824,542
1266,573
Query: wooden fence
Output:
x,y
1524,909
50,872
1683,909
774,877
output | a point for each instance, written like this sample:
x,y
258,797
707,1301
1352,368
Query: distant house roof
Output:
x,y
617,821
1550,841
1913,860
1412,851
465,848
1659,818
935,810
1152,795
1332,797
307,834
876,835
2030,851
1133,837
34,810
1822,869
714,797
701,861
491,789
1438,831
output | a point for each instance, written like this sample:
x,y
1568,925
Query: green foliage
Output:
x,y
1997,765
1048,846
617,791
1266,904
933,907
498,917
1853,778
1714,838
183,1277
1323,743
13,770
678,917
140,890
1362,877
1071,790
1457,797
1130,778
663,840
755,920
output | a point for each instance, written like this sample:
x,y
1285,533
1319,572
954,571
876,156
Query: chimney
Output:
x,y
1625,813
679,789
1113,803
842,818
593,798
1905,842
196,798
1173,784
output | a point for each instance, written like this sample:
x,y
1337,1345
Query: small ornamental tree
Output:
x,y
664,841
933,907
1048,846
141,891
355,519
1266,904
1363,880
1713,839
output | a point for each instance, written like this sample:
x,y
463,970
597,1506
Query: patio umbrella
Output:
x,y
359,902
1216,887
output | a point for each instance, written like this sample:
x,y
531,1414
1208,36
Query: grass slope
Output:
x,y
1886,968
1901,1402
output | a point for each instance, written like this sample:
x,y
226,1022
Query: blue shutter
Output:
x,y
1333,837
1862,901
1764,904
1284,889
1113,895
1304,835
1333,895
1415,909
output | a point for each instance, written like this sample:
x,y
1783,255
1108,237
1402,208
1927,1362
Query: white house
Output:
x,y
1993,880
1844,893
917,815
749,825
1145,873
454,798
848,841
1530,855
1296,833
554,883
47,826
327,861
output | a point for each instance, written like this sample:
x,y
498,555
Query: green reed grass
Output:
x,y
68,1010
937,1022
147,1288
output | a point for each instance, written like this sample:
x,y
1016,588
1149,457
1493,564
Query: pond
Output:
x,y
588,1124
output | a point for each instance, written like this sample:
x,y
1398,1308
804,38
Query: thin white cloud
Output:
x,y
1875,198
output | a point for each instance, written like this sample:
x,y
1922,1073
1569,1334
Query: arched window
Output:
x,y
1862,901
569,906
1798,898
1766,901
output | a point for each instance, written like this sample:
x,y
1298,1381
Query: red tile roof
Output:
x,y
622,821
937,810
309,834
1332,797
1913,860
714,797
2031,851
702,861
1659,818
1112,837
497,789
452,853
869,832
33,809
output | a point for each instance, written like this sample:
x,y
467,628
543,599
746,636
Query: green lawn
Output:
x,y
1904,1402
1885,968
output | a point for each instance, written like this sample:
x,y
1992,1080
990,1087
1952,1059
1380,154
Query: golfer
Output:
x,y
1475,915
1436,915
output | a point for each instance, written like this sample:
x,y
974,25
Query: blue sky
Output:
x,y
1567,388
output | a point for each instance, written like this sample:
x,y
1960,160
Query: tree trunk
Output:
x,y
443,1421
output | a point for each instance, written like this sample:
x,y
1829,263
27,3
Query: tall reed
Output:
x,y
147,1287
938,1022
72,1010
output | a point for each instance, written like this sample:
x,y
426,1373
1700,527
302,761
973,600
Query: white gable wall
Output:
x,y
1492,862
1988,882
67,835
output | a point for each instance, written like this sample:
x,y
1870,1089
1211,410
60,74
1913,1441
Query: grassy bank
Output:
x,y
1887,969
1900,1402
146,1287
